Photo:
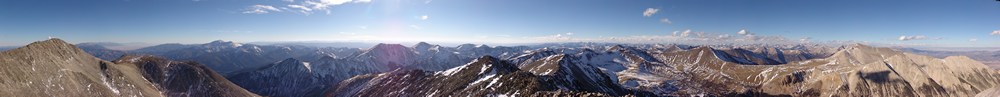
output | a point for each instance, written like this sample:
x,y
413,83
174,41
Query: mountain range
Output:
x,y
56,68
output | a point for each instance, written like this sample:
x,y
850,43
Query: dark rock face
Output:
x,y
183,78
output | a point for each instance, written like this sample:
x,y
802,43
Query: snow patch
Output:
x,y
452,71
483,70
308,67
106,83
484,78
547,72
494,81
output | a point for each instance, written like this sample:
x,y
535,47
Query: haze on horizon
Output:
x,y
928,23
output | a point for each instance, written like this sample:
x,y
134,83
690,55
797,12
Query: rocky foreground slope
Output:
x,y
56,68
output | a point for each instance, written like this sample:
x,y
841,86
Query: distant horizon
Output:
x,y
364,44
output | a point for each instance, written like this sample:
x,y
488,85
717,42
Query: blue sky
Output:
x,y
944,23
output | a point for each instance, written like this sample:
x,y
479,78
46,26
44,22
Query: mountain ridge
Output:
x,y
56,68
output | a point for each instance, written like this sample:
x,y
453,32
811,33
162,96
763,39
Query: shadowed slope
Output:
x,y
183,78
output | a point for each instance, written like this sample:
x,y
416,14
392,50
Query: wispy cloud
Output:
x,y
649,12
261,9
973,40
665,20
995,32
305,6
743,32
685,33
324,4
907,38
424,17
302,9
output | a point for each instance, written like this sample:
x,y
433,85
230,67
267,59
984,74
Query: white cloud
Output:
x,y
685,33
649,12
906,38
995,32
973,40
363,27
324,4
261,9
665,20
423,17
569,33
302,9
743,32
309,6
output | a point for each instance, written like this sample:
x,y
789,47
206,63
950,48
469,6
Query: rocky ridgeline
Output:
x,y
56,68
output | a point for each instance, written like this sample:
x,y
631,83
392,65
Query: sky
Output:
x,y
936,23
